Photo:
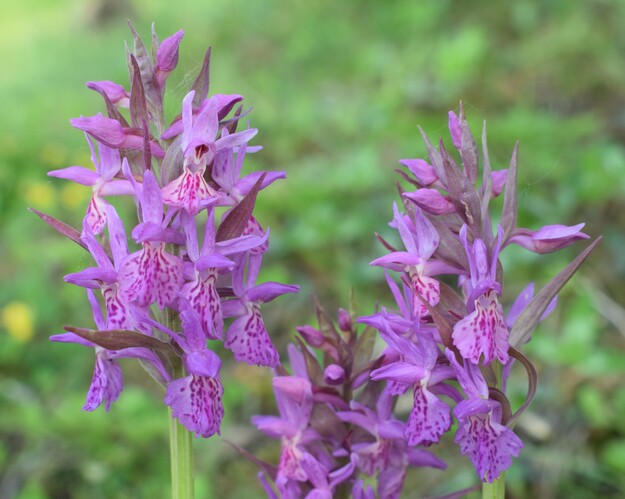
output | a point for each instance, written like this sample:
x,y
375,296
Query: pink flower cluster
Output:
x,y
449,348
195,247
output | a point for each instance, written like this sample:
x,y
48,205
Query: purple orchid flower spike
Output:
x,y
167,57
430,416
480,434
247,337
195,400
102,181
201,291
548,238
199,144
151,275
483,332
294,398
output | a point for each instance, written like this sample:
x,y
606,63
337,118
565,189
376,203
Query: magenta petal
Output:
x,y
151,275
203,363
249,341
106,384
431,201
428,420
483,332
196,402
204,299
269,291
455,130
167,53
188,191
106,130
77,174
402,372
428,288
490,446
96,214
421,169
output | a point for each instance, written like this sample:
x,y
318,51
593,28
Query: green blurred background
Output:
x,y
337,90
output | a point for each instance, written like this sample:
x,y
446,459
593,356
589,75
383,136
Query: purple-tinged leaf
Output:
x,y
60,227
120,339
315,373
201,84
138,106
532,314
468,149
486,190
152,91
461,192
155,42
449,247
435,158
173,163
231,124
509,211
236,220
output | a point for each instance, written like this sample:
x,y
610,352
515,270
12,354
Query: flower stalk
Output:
x,y
496,489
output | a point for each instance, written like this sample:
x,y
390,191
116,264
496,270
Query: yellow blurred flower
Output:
x,y
40,195
52,155
74,196
18,320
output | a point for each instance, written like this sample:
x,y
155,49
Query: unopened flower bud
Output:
x,y
345,321
431,201
334,375
311,336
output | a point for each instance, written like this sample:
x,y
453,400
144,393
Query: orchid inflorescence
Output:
x,y
198,246
450,349
189,282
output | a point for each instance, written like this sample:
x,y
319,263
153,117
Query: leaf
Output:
x,y
315,373
60,227
236,220
522,328
532,377
201,84
462,193
486,190
173,161
138,106
435,158
152,91
468,149
119,339
363,348
449,247
509,210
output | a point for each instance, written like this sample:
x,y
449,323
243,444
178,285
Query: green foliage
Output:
x,y
337,90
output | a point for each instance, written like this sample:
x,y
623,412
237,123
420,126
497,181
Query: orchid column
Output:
x,y
164,295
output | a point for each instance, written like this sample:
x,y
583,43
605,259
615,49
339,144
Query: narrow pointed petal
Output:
x,y
76,174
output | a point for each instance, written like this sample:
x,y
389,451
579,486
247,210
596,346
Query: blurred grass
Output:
x,y
337,90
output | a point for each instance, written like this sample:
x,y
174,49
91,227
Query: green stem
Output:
x,y
180,439
495,490
182,468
